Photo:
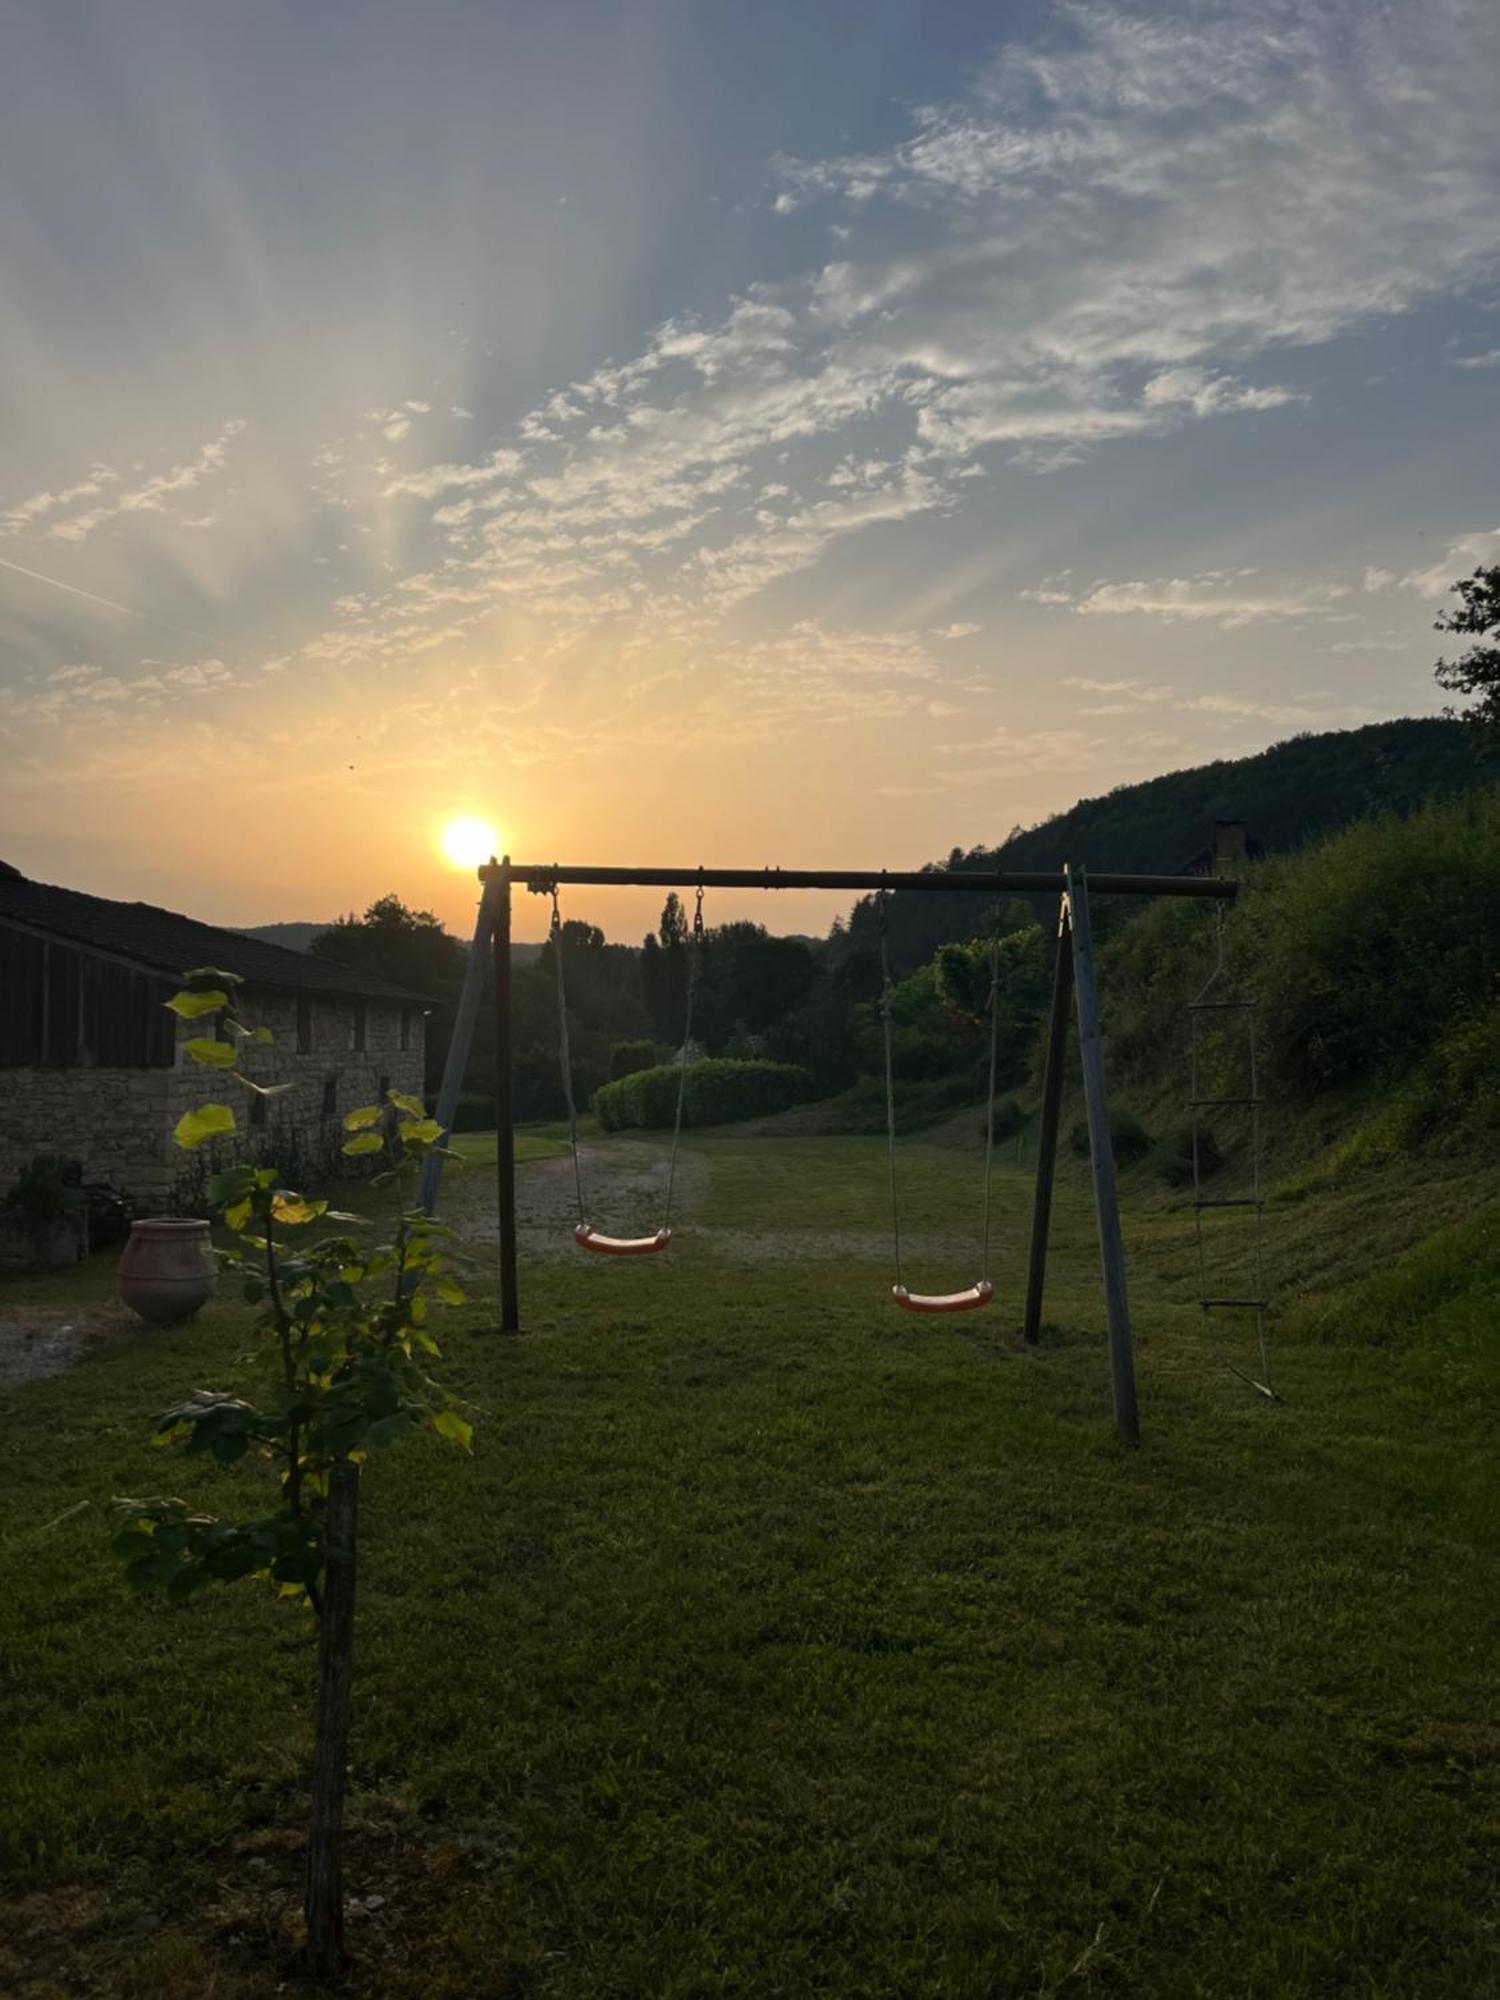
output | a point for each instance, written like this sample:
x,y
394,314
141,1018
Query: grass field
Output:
x,y
773,1643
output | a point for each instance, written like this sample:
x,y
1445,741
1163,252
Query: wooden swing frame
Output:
x,y
1074,989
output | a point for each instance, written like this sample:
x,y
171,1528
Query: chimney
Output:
x,y
1231,840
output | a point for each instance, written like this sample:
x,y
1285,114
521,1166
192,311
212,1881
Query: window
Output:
x,y
360,1021
304,1027
406,1027
331,1098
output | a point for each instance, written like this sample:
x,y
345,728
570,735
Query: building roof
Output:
x,y
163,941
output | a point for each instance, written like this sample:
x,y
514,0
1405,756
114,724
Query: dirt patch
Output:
x,y
624,1187
42,1341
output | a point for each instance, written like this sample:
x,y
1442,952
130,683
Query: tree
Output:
x,y
343,1329
409,948
1476,672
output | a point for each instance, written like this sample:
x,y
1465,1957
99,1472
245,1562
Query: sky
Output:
x,y
673,433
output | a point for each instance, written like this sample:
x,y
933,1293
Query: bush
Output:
x,y
1364,952
1172,1160
628,1058
1009,1118
715,1092
1129,1140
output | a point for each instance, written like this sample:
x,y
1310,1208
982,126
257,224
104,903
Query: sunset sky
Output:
x,y
814,433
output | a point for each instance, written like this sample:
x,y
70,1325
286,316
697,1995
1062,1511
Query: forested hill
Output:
x,y
1287,795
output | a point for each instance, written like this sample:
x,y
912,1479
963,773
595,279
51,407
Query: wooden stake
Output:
x,y
1102,1160
505,1106
323,1904
1046,1146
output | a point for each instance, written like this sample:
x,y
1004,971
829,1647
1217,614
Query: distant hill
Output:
x,y
292,937
1288,795
297,937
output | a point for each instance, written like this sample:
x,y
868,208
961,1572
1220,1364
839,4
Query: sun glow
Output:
x,y
468,842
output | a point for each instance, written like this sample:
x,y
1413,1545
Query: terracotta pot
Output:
x,y
167,1269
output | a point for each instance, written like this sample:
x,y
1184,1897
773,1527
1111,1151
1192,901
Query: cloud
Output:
x,y
1129,696
435,479
1125,210
17,520
1209,395
1470,552
1489,359
963,630
1221,597
152,495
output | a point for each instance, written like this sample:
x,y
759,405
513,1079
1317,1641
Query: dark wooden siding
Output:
x,y
70,1009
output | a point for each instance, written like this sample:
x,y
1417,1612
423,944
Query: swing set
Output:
x,y
1073,989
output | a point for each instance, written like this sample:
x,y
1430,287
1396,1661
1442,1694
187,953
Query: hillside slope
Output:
x,y
1288,795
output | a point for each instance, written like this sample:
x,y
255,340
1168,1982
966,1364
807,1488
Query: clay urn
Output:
x,y
167,1269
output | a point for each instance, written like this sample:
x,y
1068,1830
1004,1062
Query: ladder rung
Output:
x,y
1240,1201
1220,1006
1259,1304
1196,1103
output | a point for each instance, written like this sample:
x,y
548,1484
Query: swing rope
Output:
x,y
695,953
887,988
586,1236
980,1293
565,1056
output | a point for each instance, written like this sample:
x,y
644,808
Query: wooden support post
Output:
x,y
1046,1151
1102,1159
505,1106
457,1062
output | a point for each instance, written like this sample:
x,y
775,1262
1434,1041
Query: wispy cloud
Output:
x,y
148,496
1222,597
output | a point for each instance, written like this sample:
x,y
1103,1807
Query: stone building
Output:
x,y
92,1063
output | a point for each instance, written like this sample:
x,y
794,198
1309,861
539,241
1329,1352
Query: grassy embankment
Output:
x,y
773,1643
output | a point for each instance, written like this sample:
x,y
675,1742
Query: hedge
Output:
x,y
717,1092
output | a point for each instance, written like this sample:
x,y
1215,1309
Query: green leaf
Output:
x,y
230,1185
214,972
448,1292
422,1132
363,1119
295,1208
449,1424
209,1121
367,1142
236,1215
213,1055
412,1106
193,1006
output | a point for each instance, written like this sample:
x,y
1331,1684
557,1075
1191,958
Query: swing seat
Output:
x,y
944,1302
589,1238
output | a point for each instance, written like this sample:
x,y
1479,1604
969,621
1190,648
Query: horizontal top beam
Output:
x,y
540,878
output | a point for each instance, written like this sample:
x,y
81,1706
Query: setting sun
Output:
x,y
468,842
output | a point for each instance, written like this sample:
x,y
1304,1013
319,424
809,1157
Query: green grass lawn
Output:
x,y
774,1643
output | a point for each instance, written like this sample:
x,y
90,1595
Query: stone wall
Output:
x,y
119,1122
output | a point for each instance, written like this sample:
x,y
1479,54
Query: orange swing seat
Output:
x,y
944,1302
589,1238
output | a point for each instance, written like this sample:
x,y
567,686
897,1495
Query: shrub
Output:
x,y
627,1058
1129,1140
1009,1118
45,1191
1172,1160
715,1092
